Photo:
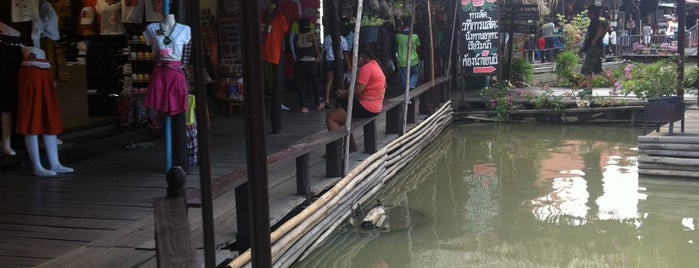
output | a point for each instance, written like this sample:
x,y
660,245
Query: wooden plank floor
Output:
x,y
105,207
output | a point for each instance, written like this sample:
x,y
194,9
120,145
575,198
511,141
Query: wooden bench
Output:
x,y
393,108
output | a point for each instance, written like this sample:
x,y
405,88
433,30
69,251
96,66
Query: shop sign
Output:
x,y
479,30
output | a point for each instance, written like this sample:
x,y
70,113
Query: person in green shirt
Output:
x,y
402,39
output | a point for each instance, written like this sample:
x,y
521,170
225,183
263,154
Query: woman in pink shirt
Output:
x,y
369,91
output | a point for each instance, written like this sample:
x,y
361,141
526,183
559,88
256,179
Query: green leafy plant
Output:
x,y
600,101
369,19
651,80
521,70
566,64
499,98
573,29
546,100
691,77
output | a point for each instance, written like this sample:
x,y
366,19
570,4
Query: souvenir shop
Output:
x,y
106,61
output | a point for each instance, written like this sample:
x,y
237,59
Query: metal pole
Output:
x,y
680,46
257,184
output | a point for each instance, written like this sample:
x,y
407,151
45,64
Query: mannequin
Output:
x,y
37,111
168,88
11,53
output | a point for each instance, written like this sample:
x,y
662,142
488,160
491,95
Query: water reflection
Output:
x,y
530,195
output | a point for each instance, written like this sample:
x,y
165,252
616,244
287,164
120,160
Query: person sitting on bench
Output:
x,y
369,92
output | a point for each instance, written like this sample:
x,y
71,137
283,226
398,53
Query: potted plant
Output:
x,y
650,81
369,27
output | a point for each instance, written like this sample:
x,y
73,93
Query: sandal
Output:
x,y
320,106
304,110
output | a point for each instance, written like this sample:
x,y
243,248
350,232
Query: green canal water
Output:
x,y
489,195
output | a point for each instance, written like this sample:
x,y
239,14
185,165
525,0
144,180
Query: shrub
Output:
x,y
520,70
650,80
566,64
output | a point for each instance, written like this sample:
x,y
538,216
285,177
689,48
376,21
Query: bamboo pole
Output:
x,y
660,172
341,187
671,153
300,239
350,97
667,139
675,161
668,167
669,146
406,89
321,217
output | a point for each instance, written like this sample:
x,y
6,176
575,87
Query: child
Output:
x,y
541,45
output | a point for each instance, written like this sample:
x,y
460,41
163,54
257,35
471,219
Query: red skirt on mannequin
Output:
x,y
37,107
167,89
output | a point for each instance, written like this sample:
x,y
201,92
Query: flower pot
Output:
x,y
665,100
368,34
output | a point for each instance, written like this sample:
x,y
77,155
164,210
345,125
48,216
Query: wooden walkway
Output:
x,y
671,154
105,208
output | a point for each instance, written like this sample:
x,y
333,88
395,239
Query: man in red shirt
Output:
x,y
275,27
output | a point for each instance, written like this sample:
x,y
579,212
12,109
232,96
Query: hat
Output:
x,y
87,15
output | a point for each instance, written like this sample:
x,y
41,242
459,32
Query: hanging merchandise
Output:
x,y
24,10
110,17
192,134
132,11
88,24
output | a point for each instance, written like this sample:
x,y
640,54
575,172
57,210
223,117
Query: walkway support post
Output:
x,y
257,215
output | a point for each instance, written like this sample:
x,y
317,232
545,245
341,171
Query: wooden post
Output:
x,y
256,147
394,120
333,159
242,212
303,183
371,137
172,240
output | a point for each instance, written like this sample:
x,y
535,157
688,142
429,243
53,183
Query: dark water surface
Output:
x,y
529,196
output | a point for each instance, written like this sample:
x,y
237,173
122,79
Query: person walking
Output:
x,y
612,41
647,31
592,64
306,46
548,29
402,40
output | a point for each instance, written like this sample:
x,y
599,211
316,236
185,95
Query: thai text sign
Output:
x,y
479,30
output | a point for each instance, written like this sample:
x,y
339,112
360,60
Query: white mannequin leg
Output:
x,y
51,146
32,142
6,121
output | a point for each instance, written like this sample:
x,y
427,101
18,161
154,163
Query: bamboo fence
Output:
x,y
326,214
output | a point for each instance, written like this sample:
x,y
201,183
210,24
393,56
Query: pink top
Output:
x,y
371,76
